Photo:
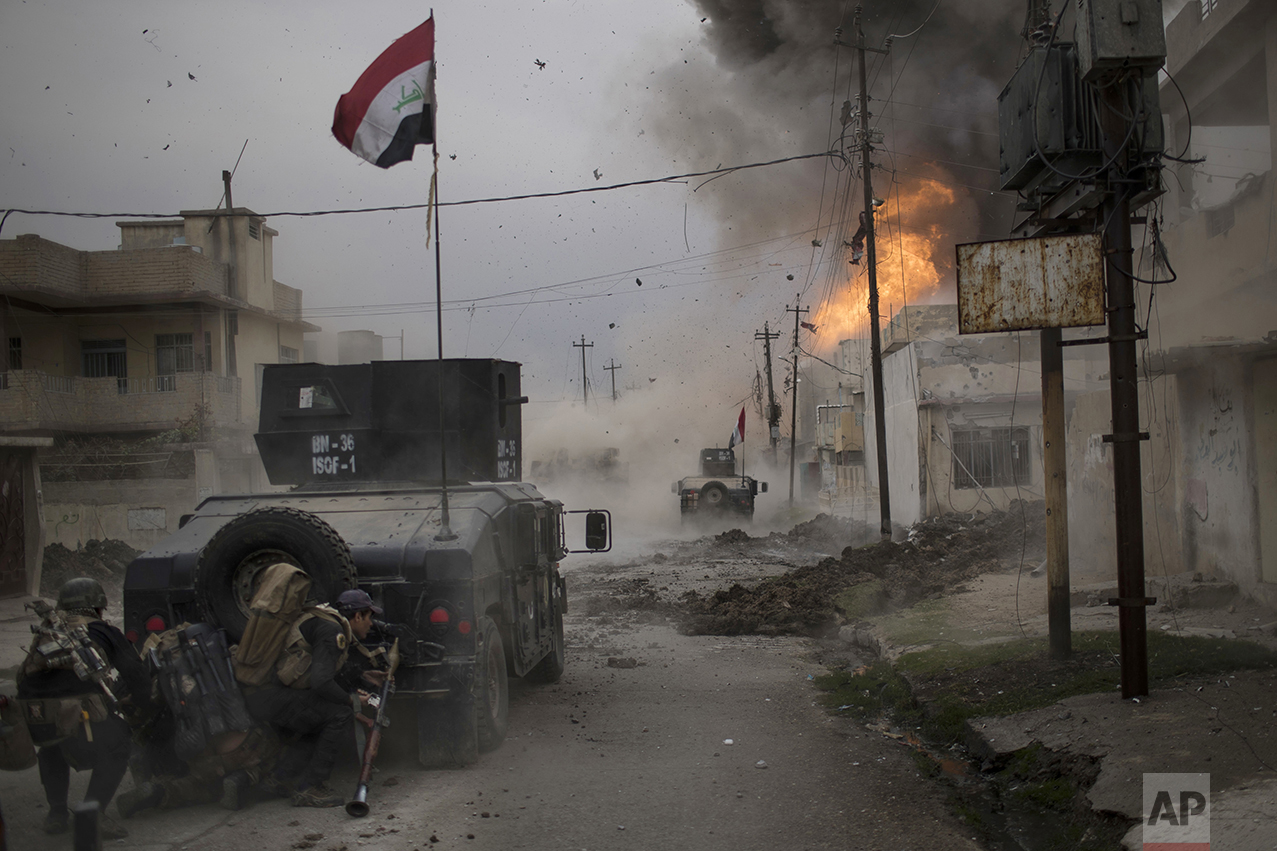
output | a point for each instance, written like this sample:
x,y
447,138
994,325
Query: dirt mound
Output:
x,y
937,555
104,561
826,529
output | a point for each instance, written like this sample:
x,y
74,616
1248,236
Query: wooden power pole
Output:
x,y
585,383
875,344
793,416
612,367
773,410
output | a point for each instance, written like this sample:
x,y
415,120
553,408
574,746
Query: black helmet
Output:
x,y
81,593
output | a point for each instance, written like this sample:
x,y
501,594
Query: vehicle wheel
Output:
x,y
491,688
231,563
550,669
714,497
447,735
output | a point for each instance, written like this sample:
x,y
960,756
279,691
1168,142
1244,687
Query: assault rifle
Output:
x,y
358,806
58,644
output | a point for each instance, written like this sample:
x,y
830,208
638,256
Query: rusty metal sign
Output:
x,y
1025,284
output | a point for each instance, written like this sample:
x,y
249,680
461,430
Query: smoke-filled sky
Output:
x,y
138,106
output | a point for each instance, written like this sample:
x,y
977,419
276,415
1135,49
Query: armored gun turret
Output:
x,y
364,448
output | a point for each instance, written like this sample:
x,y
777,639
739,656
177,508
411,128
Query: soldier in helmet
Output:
x,y
309,707
72,720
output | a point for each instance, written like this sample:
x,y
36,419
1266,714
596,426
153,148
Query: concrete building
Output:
x,y
143,366
1212,353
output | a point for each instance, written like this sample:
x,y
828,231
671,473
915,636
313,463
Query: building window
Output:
x,y
15,353
991,457
254,229
287,354
105,358
174,353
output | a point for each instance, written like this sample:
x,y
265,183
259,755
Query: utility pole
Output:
x,y
612,367
773,410
1131,601
875,345
1054,465
793,417
585,385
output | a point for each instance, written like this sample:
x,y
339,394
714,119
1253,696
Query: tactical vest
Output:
x,y
294,662
50,720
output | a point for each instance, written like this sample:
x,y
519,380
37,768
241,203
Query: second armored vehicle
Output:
x,y
718,490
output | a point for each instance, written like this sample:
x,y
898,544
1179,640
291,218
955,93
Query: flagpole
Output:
x,y
445,526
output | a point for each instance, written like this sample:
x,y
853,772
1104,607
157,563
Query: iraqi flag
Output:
x,y
391,108
738,436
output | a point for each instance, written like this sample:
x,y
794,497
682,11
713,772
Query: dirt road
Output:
x,y
629,750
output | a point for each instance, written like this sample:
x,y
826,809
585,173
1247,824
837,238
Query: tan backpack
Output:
x,y
280,600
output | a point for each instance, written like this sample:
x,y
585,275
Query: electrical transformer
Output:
x,y
1047,115
1118,35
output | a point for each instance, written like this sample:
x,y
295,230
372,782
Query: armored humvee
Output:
x,y
474,600
718,490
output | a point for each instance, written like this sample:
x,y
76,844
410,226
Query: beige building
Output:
x,y
143,365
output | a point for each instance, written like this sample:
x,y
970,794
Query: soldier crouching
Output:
x,y
308,706
68,704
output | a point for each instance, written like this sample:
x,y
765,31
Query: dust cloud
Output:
x,y
625,457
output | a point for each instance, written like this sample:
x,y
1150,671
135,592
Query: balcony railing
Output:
x,y
32,400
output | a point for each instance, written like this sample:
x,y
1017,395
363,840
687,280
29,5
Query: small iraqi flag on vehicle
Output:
x,y
391,108
738,436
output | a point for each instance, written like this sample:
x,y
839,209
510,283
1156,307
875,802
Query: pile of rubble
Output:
x,y
104,561
938,554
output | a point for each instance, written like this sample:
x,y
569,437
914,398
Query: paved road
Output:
x,y
610,758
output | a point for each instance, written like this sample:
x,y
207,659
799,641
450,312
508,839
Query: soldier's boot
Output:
x,y
144,797
317,796
235,788
57,821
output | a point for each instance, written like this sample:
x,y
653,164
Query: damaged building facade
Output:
x,y
139,369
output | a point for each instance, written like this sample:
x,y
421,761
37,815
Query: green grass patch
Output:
x,y
941,687
868,694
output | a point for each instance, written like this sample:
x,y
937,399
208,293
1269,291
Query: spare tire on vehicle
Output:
x,y
714,497
232,561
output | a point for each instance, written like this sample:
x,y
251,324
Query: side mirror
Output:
x,y
598,530
763,486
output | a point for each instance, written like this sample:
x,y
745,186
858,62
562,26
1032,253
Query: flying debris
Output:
x,y
611,325
452,156
789,277
540,65
166,146
597,174
192,76
170,83
638,281
815,243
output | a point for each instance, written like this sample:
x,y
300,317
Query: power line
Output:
x,y
395,207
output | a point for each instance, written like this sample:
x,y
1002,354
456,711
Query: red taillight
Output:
x,y
463,627
131,636
155,623
439,616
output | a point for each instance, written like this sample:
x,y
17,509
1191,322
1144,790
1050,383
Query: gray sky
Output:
x,y
634,91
